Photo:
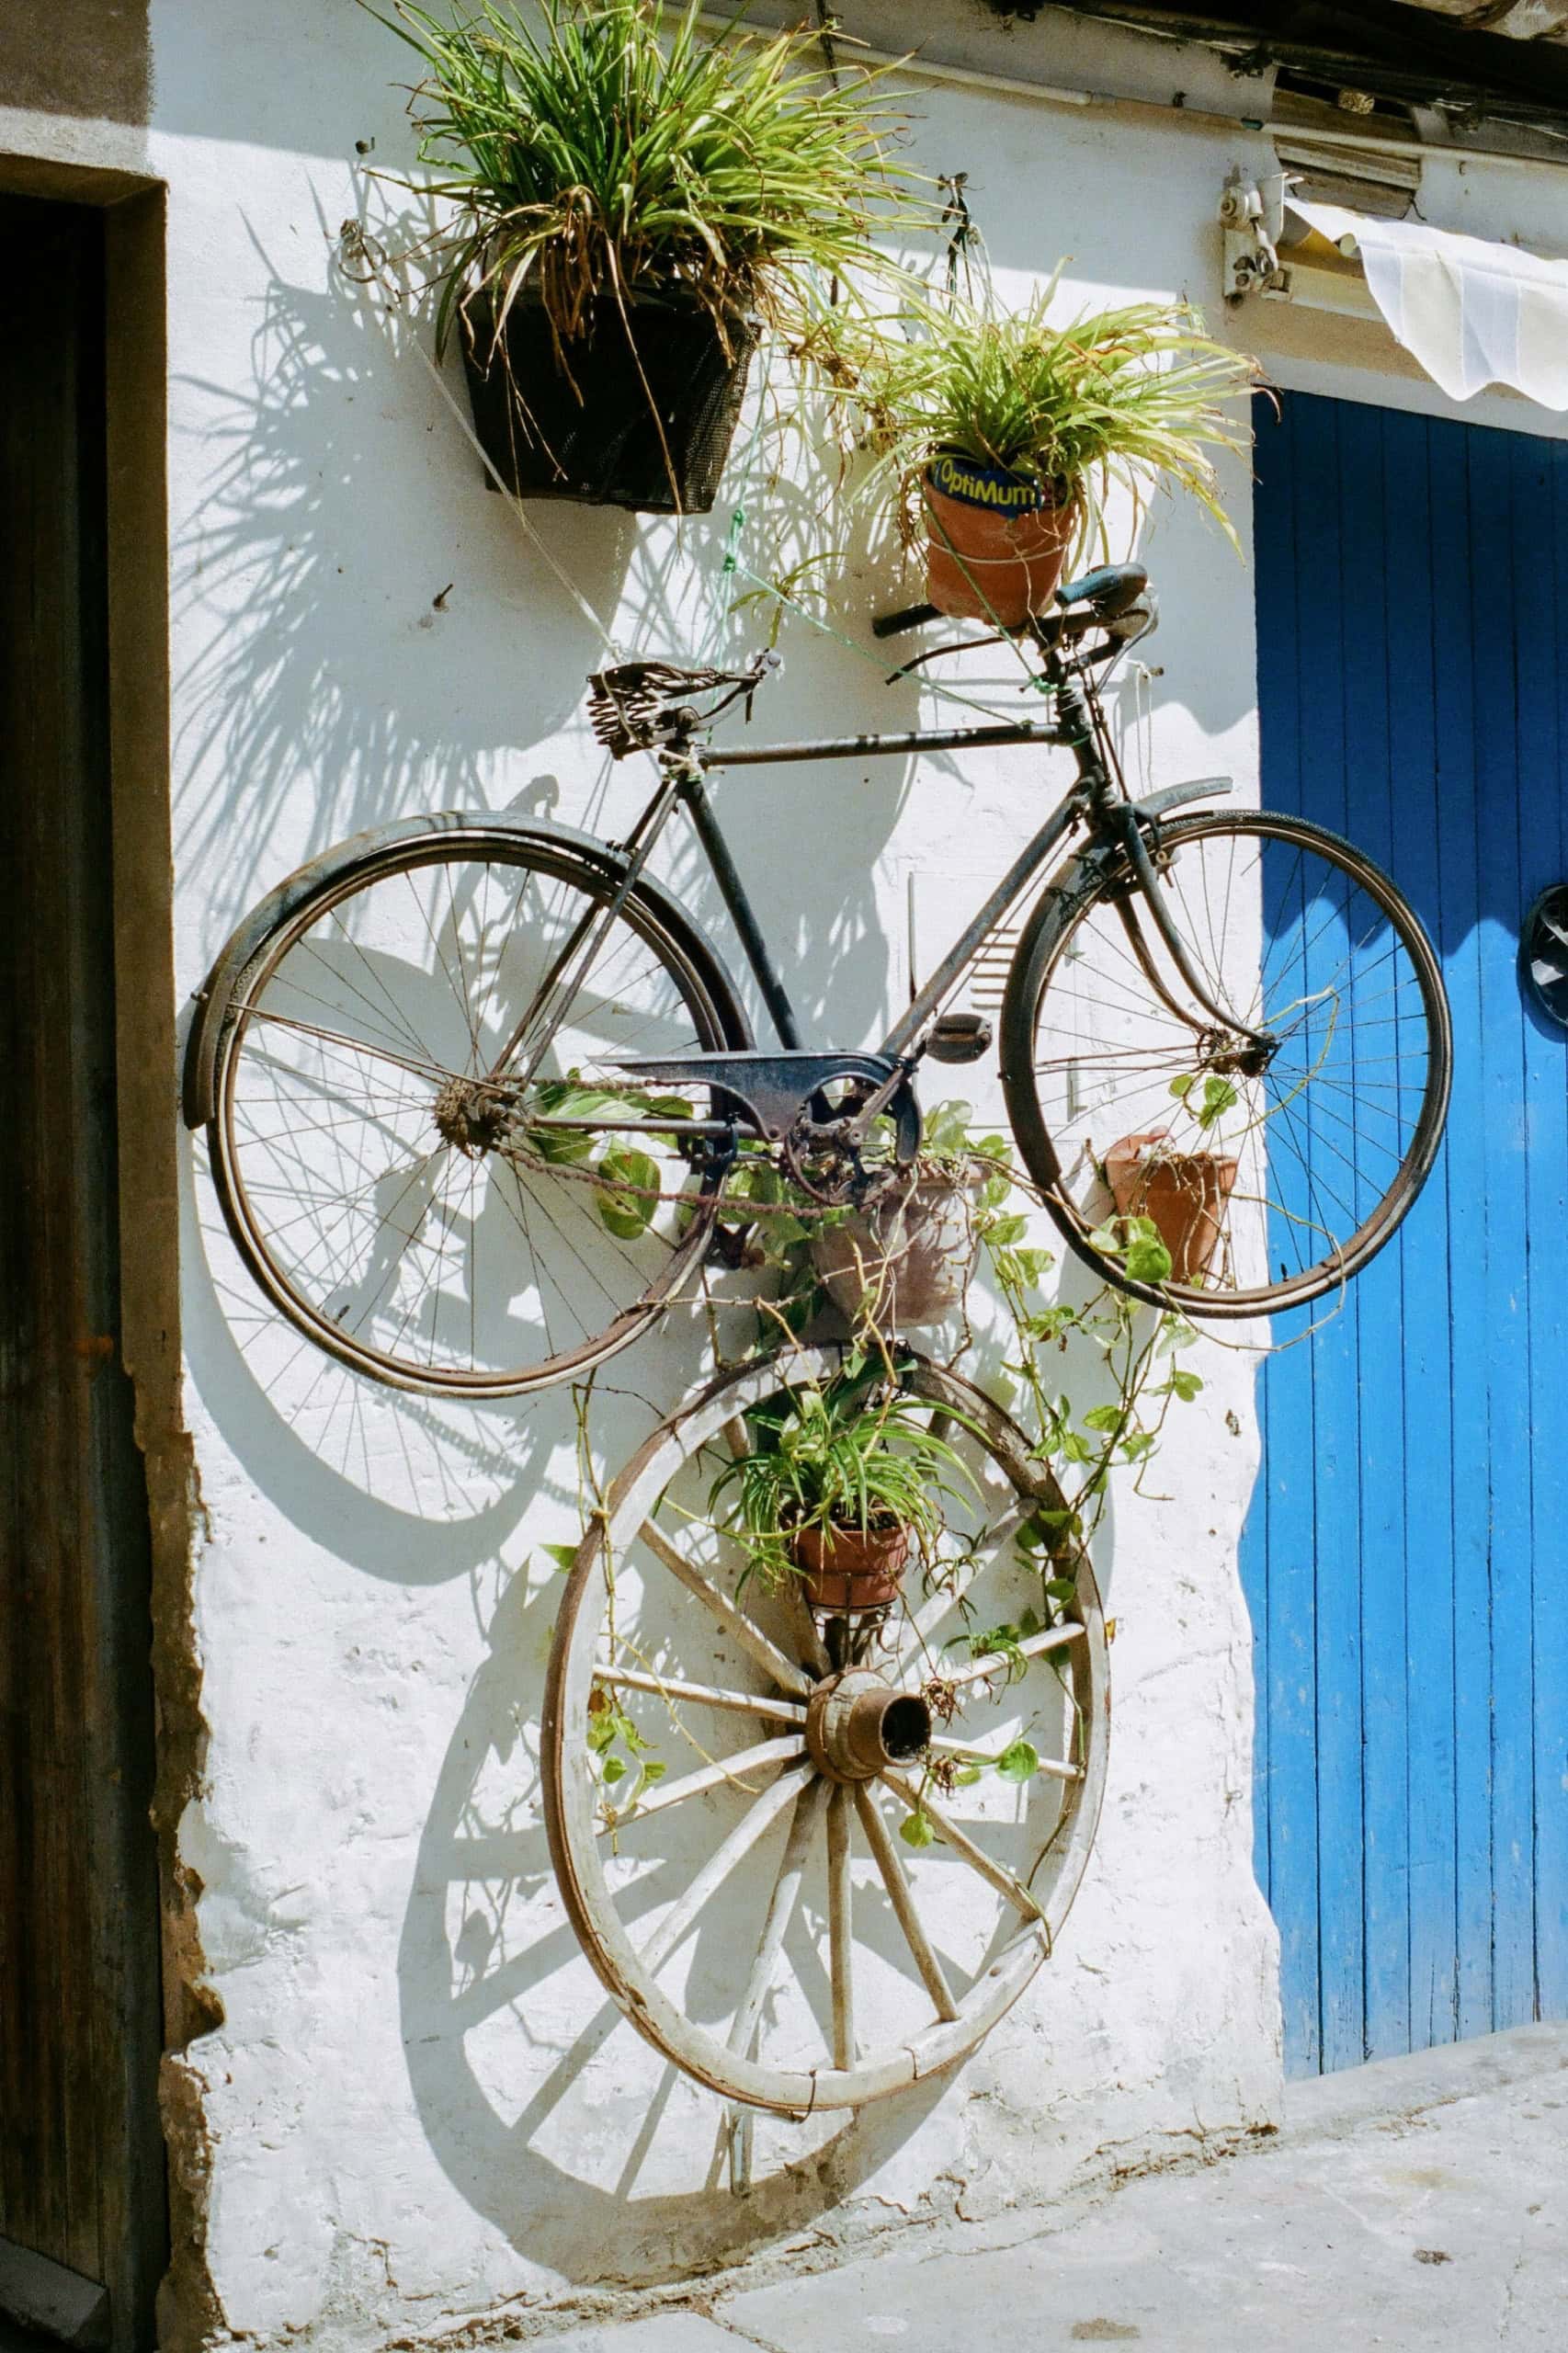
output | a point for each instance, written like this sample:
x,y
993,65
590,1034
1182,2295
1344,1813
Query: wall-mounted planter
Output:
x,y
643,419
1183,1193
905,1264
996,541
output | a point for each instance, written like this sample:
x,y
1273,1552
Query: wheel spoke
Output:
x,y
780,1911
750,1636
681,1918
930,1614
1054,1638
840,1926
1053,1767
962,1845
786,1750
706,1695
896,1880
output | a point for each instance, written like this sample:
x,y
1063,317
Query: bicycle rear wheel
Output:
x,y
1271,1174
413,1222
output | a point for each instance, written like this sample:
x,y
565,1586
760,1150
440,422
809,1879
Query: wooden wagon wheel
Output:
x,y
724,1803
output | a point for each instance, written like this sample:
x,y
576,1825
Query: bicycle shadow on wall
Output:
x,y
369,631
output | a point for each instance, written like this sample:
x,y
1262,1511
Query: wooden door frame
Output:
x,y
133,210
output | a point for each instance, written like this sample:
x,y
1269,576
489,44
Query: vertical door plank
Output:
x,y
1372,585
1418,633
1453,565
1497,615
1544,802
1327,753
1280,1546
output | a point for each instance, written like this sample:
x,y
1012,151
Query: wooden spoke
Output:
x,y
840,1931
1055,1638
750,1636
706,1695
682,1916
784,1751
930,1614
895,1881
963,1844
780,1911
1052,1767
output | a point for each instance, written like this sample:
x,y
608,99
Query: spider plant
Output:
x,y
1134,395
837,1459
621,152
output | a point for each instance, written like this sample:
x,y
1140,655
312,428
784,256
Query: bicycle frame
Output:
x,y
1097,798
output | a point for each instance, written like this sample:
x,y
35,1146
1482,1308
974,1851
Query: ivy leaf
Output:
x,y
1148,1262
963,1777
1005,1230
915,1831
653,1770
1219,1097
626,1213
613,1769
563,1556
1108,1418
1019,1761
1061,1589
1183,1385
1182,1087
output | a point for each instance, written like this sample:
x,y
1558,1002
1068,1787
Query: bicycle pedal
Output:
x,y
960,1038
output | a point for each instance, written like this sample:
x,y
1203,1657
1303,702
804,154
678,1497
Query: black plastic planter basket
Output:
x,y
593,435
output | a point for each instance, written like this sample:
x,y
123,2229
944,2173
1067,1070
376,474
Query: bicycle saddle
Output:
x,y
631,705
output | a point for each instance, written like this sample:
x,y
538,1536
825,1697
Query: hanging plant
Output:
x,y
634,201
1001,433
841,1483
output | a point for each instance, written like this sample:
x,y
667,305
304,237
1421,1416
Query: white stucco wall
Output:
x,y
397,2143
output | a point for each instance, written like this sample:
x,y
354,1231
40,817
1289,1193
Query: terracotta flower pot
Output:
x,y
1183,1193
853,1568
907,1262
996,541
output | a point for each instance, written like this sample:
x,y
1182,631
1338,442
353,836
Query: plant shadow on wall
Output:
x,y
355,655
595,2154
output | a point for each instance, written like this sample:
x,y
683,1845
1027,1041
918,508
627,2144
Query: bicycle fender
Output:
x,y
1176,796
214,999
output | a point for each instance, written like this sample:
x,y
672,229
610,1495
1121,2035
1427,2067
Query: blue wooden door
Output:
x,y
1406,1554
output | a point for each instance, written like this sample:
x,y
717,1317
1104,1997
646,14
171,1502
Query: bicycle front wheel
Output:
x,y
394,1198
1273,1153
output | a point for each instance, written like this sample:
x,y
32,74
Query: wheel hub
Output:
x,y
857,1726
1232,1056
471,1114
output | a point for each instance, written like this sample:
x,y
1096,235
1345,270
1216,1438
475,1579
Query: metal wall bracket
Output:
x,y
1252,212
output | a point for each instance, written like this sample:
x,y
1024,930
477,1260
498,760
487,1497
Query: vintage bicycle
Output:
x,y
474,1083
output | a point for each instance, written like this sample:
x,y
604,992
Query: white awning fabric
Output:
x,y
1472,313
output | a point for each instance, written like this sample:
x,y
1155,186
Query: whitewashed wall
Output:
x,y
395,2141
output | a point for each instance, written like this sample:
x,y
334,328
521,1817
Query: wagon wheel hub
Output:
x,y
857,1726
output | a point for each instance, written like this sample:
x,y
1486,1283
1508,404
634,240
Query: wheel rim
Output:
x,y
1296,1185
368,1197
747,1810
